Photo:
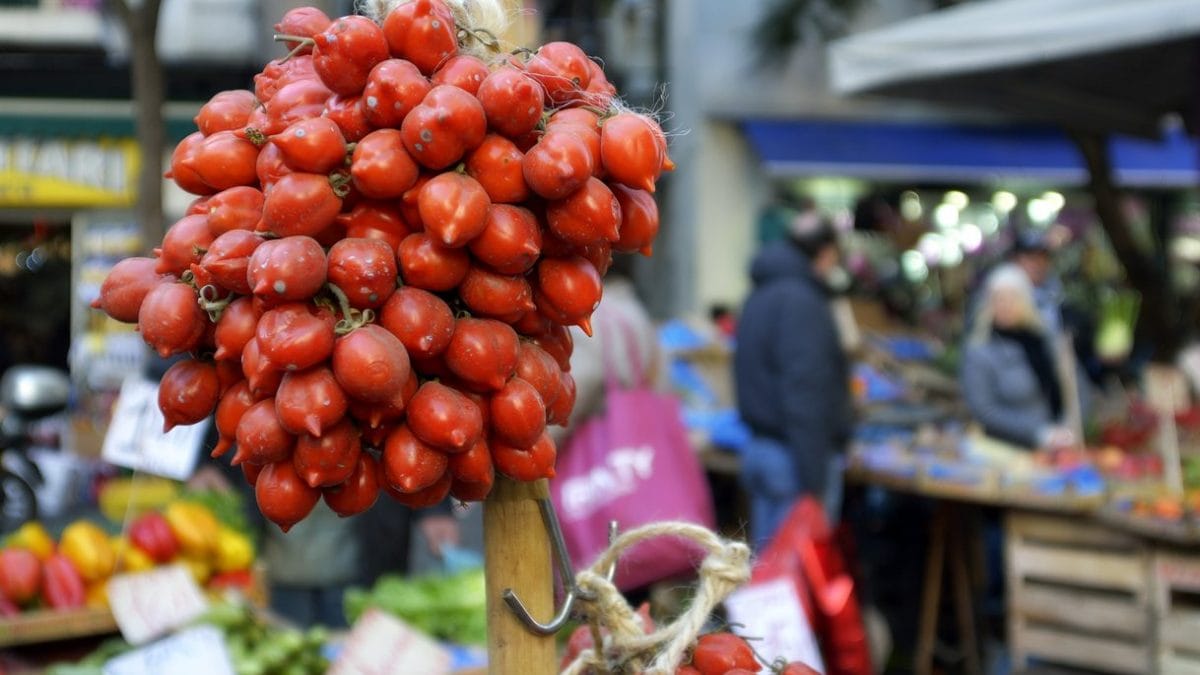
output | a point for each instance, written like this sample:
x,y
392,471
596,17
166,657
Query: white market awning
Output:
x,y
1096,65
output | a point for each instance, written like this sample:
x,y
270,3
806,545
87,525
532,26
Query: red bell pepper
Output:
x,y
151,533
238,579
62,587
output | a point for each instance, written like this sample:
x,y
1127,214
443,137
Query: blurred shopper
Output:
x,y
792,377
1031,253
1009,377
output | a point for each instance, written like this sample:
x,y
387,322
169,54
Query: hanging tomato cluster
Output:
x,y
390,241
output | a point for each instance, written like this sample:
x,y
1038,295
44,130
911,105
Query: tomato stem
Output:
x,y
211,302
256,136
483,36
351,317
304,42
340,182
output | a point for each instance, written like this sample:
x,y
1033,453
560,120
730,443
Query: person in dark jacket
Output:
x,y
792,378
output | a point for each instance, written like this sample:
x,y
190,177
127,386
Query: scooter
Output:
x,y
27,393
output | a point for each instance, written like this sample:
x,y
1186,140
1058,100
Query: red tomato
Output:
x,y
487,293
394,88
454,209
797,668
350,114
382,414
283,497
251,472
228,258
20,575
225,111
444,418
517,414
313,145
170,319
261,439
571,288
279,73
448,123
409,202
421,320
188,393
562,69
233,404
152,535
471,492
295,335
358,492
223,160
558,165
586,125
474,465
375,220
590,215
346,51
183,245
295,101
558,344
329,459
525,464
409,465
422,499
424,264
639,220
310,401
365,270
381,167
238,208
538,368
511,240
422,32
291,268
262,375
532,324
497,165
300,204
270,168
600,92
687,670
721,652
630,152
512,101
482,352
463,71
302,22
370,363
126,286
182,171
62,587
560,411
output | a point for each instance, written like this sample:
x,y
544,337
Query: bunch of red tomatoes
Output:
x,y
390,241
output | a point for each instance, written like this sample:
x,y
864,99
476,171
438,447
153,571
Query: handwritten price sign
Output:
x,y
135,438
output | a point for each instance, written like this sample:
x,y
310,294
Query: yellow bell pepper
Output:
x,y
96,594
131,558
33,537
234,551
200,568
194,526
89,550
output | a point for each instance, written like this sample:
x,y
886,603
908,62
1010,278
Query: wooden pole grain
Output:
x,y
517,556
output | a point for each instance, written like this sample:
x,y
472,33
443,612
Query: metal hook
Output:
x,y
566,570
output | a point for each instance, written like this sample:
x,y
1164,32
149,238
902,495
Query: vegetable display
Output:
x,y
448,607
392,233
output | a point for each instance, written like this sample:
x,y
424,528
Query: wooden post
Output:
x,y
517,550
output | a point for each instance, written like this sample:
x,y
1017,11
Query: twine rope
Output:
x,y
628,646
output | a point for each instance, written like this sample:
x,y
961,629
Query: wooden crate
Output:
x,y
1177,611
1078,595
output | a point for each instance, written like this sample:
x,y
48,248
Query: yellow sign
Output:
x,y
55,172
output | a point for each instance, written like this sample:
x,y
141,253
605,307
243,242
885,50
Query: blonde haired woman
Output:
x,y
1009,377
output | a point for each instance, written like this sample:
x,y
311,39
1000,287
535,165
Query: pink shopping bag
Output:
x,y
631,464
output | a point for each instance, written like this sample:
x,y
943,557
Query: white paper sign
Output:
x,y
381,644
771,610
152,603
196,651
135,439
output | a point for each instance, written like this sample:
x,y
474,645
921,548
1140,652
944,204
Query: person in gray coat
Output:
x,y
1009,377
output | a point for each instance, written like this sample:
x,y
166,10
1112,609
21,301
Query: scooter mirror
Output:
x,y
31,392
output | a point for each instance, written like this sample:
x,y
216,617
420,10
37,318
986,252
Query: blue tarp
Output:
x,y
916,151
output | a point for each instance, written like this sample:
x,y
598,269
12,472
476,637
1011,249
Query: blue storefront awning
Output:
x,y
939,152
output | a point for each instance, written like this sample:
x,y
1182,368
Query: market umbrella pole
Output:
x,y
517,550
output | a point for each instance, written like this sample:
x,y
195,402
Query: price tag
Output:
x,y
381,644
771,610
196,651
135,439
149,604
